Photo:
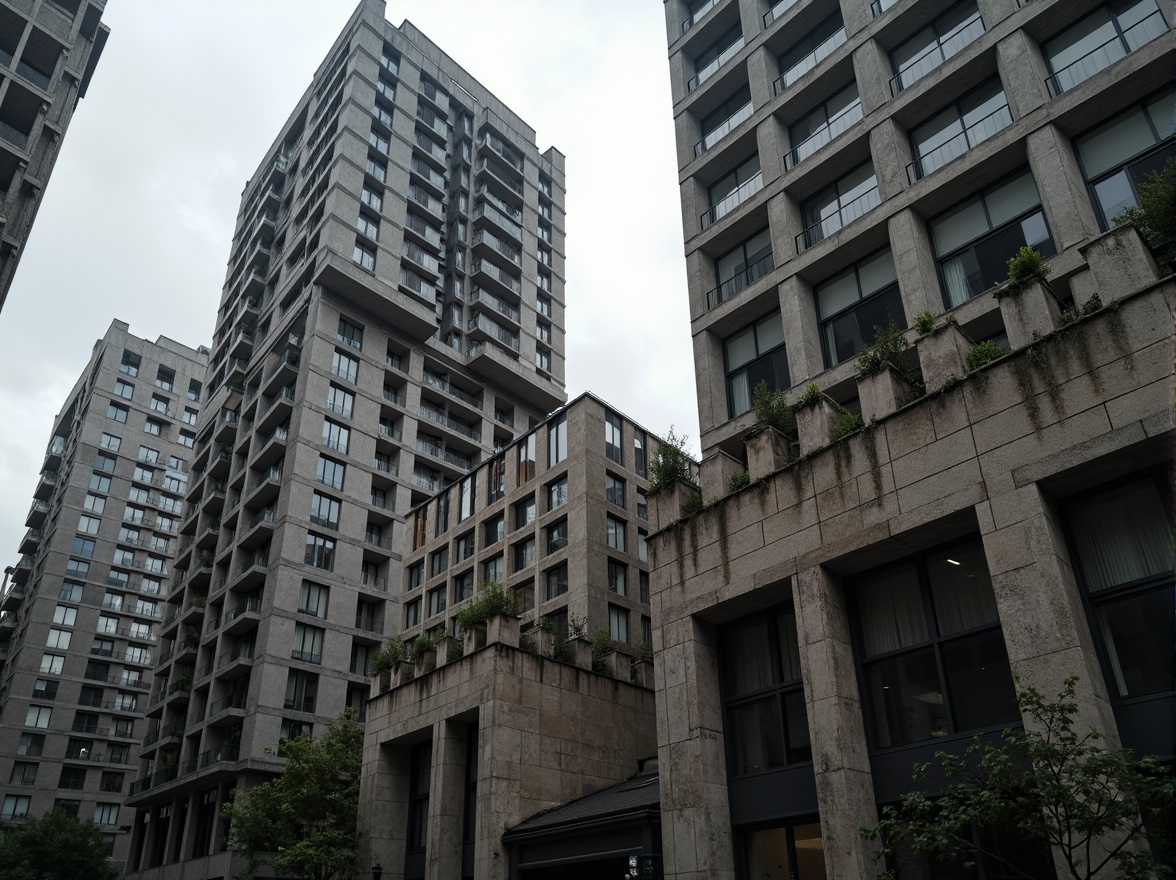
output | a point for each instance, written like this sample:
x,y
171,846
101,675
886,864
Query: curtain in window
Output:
x,y
961,590
789,648
892,612
749,658
1122,536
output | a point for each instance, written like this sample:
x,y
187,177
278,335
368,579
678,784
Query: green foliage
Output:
x,y
1028,265
740,481
772,410
670,463
492,598
811,394
924,323
1053,786
602,646
951,319
889,347
693,505
395,651
206,558
1155,216
847,423
53,847
306,817
983,352
644,652
422,643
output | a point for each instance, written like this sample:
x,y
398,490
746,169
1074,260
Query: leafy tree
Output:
x,y
1095,806
303,823
771,409
54,847
670,462
1155,217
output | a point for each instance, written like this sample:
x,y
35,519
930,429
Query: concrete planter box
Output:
x,y
402,673
881,392
1029,312
717,471
618,665
643,673
767,451
544,641
503,629
1120,264
383,681
448,650
473,638
667,504
426,661
943,353
580,652
814,424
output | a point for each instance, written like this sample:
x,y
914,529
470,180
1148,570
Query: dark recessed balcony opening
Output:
x,y
11,27
39,59
69,7
17,115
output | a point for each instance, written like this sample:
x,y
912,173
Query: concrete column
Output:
x,y
993,11
383,807
914,262
1063,192
798,311
771,141
856,15
891,150
446,800
696,818
751,20
872,70
1040,605
709,380
1022,72
762,71
841,763
785,220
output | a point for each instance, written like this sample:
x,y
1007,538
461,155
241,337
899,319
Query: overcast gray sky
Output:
x,y
137,218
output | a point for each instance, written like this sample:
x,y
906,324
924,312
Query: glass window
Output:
x,y
496,485
556,580
557,493
308,643
838,204
957,128
742,266
340,401
312,599
932,654
753,355
717,124
524,513
614,530
153,427
335,436
618,624
524,554
412,613
350,334
851,305
614,444
822,125
709,60
301,689
463,587
38,716
618,577
130,363
1099,40
815,46
436,601
324,510
320,552
116,413
614,490
330,472
557,441
1123,152
734,188
526,460
642,505
974,240
934,44
438,561
494,570
640,452
344,366
787,852
124,389
557,536
1122,541
495,530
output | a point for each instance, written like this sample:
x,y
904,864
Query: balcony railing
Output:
x,y
712,67
13,135
723,129
730,202
426,483
776,11
738,283
1142,32
833,127
809,61
937,53
507,152
499,305
698,14
844,215
490,327
436,381
512,253
955,147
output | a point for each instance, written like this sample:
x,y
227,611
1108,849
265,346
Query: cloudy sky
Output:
x,y
136,221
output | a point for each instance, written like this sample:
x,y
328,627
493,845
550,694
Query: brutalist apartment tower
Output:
x,y
929,530
48,52
392,313
80,630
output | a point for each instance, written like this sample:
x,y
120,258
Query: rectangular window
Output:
x,y
557,581
324,510
320,552
330,472
463,587
526,458
59,639
438,561
642,505
130,363
742,266
957,128
934,44
822,125
89,524
495,531
850,305
44,689
308,643
31,744
412,613
165,378
376,169
466,491
614,444
721,121
618,624
463,547
617,577
187,438
336,437
494,570
312,599
643,587
344,366
557,536
123,389
116,413
106,814
1099,40
817,45
153,427
496,485
16,806
732,190
709,60
301,690
1120,154
614,530
111,442
160,404
930,646
340,401
838,205
974,240
614,490
755,354
524,554
372,198
524,513
190,416
77,568
441,516
436,601
23,773
350,334
557,441
38,716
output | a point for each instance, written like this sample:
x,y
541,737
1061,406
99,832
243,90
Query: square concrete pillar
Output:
x,y
667,504
841,764
768,450
1061,186
798,311
761,69
891,148
710,380
449,649
1022,69
447,779
1120,262
1030,312
881,392
717,471
771,141
503,629
786,221
814,423
383,806
943,355
914,263
872,70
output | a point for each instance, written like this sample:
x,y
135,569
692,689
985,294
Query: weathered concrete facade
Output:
x,y
501,733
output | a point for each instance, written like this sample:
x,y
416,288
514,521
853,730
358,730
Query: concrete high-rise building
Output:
x,y
80,630
934,526
392,314
492,732
48,52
